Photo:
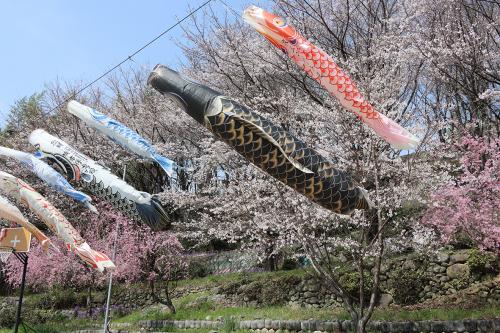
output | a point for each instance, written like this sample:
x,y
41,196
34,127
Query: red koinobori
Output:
x,y
322,68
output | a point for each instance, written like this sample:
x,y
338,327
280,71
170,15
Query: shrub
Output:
x,y
481,262
231,287
274,293
197,269
57,299
407,285
38,316
251,291
350,282
7,316
289,264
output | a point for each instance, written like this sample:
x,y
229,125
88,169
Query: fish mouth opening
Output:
x,y
256,17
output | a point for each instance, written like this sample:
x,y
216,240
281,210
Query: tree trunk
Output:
x,y
166,300
360,326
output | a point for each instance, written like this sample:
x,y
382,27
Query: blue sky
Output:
x,y
44,41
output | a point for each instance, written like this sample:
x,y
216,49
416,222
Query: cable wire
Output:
x,y
132,55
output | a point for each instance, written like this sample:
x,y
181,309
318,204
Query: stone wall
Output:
x,y
337,326
428,277
443,273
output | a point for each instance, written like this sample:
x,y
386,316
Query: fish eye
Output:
x,y
279,22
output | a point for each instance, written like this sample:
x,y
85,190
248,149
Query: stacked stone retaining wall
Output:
x,y
336,326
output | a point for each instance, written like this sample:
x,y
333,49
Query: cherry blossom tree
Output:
x,y
141,255
430,65
469,203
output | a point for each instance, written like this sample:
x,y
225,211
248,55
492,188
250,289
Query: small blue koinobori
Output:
x,y
120,134
50,176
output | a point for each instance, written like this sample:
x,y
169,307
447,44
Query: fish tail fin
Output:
x,y
95,259
364,201
153,214
91,207
165,163
45,244
396,135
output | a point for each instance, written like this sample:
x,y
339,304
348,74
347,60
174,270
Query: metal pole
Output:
x,y
110,283
24,259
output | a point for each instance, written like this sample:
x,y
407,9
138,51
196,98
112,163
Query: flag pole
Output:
x,y
23,258
110,284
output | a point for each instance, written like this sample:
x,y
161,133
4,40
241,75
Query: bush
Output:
x,y
274,293
197,270
289,264
277,291
38,316
407,285
350,282
57,299
231,287
481,263
7,316
251,291
268,292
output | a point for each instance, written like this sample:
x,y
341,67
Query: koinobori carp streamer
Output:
x,y
99,180
57,223
268,146
120,134
12,214
50,176
322,68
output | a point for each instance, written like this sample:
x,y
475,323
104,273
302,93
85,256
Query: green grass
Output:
x,y
199,306
438,314
217,280
285,312
67,325
194,306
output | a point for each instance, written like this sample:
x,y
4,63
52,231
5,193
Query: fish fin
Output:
x,y
46,243
259,130
91,207
95,259
165,163
153,214
364,201
396,135
39,154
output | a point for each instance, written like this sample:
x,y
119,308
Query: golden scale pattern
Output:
x,y
325,185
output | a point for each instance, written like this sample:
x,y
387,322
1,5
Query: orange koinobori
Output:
x,y
54,219
322,68
12,214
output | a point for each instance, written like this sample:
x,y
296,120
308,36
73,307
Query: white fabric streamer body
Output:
x,y
101,181
120,134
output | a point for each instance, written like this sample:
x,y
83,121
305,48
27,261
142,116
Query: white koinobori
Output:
x,y
120,134
101,181
50,176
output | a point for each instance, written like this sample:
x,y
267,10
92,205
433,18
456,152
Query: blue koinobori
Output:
x,y
50,176
120,134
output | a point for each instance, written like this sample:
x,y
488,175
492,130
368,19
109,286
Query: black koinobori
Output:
x,y
268,146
